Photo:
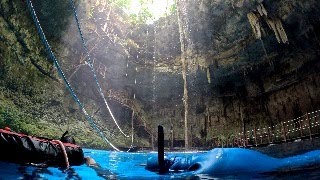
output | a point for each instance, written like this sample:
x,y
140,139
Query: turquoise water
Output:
x,y
123,165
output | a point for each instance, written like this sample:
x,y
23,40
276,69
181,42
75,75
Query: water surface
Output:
x,y
124,165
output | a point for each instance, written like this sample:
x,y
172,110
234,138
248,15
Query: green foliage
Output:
x,y
142,17
124,4
173,8
11,116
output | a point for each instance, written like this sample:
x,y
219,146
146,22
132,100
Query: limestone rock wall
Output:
x,y
251,62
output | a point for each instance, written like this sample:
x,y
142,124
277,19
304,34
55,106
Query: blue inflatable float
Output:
x,y
229,161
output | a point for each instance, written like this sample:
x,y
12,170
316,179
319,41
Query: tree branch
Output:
x,y
42,70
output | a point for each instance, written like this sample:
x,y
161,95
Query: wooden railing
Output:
x,y
303,127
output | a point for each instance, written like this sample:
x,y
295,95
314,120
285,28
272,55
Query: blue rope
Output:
x,y
56,63
91,65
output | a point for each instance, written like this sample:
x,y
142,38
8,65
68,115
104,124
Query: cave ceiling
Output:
x,y
232,43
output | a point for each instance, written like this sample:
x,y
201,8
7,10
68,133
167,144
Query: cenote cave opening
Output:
x,y
220,76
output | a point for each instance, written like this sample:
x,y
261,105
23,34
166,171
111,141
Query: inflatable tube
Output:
x,y
21,148
228,161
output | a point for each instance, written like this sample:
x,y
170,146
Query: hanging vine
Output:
x,y
183,31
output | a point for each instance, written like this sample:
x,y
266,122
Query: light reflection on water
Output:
x,y
113,161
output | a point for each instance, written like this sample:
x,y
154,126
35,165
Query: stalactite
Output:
x,y
208,75
264,49
274,23
263,9
255,24
282,33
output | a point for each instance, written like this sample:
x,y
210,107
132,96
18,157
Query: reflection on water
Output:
x,y
113,161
